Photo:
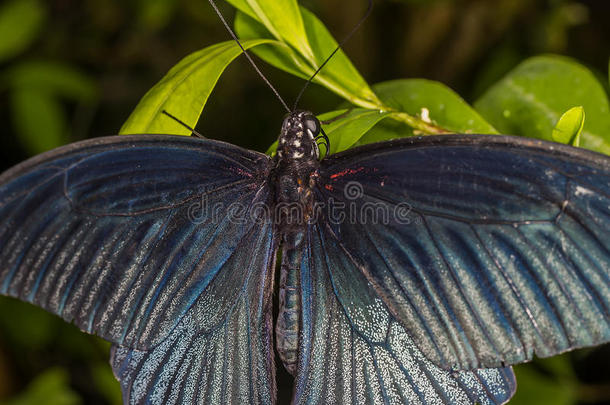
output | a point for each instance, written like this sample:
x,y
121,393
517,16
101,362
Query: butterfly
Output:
x,y
411,271
408,271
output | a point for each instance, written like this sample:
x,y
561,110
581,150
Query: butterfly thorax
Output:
x,y
295,178
295,172
297,144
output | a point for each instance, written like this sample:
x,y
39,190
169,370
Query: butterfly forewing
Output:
x,y
123,234
485,249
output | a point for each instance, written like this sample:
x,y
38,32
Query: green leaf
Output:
x,y
244,7
183,91
39,120
20,23
445,107
275,53
384,131
281,18
530,100
569,126
50,388
52,78
339,75
431,101
345,131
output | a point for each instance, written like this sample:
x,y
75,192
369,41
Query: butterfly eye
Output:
x,y
312,125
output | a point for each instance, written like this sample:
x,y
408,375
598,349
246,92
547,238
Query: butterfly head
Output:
x,y
297,140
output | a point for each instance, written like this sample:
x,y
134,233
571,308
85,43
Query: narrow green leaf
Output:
x,y
20,23
50,77
244,7
530,100
281,18
183,91
39,120
275,53
339,75
569,126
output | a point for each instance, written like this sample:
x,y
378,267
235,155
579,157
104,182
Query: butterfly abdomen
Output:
x,y
289,317
293,206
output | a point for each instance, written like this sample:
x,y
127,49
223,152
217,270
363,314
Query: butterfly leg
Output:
x,y
325,142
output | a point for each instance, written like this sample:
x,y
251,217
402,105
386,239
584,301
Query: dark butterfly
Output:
x,y
412,271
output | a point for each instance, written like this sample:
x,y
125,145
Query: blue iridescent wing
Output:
x,y
486,249
137,239
367,357
227,362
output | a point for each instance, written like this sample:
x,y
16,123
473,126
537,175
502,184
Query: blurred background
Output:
x,y
75,69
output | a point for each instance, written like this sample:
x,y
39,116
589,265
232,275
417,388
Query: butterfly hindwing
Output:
x,y
367,356
122,235
486,249
226,362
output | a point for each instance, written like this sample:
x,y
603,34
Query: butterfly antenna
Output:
x,y
248,56
184,124
352,32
